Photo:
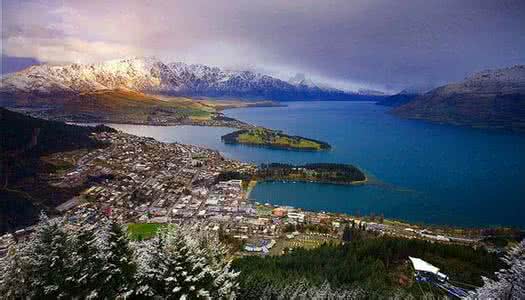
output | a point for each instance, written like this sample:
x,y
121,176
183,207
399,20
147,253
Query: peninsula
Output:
x,y
317,172
273,139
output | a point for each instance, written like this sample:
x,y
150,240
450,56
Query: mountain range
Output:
x,y
488,99
491,98
152,76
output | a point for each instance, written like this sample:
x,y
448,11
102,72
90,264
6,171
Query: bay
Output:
x,y
419,171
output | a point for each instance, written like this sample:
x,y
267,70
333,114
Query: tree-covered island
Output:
x,y
273,139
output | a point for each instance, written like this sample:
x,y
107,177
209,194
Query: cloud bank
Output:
x,y
388,45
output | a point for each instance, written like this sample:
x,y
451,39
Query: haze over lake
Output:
x,y
420,172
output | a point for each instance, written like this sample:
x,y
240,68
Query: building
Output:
x,y
426,272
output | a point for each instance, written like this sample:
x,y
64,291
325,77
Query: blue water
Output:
x,y
420,172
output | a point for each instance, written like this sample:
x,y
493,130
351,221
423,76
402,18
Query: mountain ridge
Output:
x,y
489,99
153,76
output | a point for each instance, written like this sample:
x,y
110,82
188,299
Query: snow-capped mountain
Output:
x,y
300,80
492,98
150,75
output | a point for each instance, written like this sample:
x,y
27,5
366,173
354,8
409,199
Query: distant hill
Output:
x,y
24,191
489,99
398,99
152,76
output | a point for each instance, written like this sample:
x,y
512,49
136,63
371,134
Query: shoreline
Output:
x,y
251,186
367,180
357,182
388,221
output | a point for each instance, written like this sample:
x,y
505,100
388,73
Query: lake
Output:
x,y
420,172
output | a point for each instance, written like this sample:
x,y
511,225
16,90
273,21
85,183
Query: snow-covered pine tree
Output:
x,y
304,290
43,264
510,283
216,253
153,267
61,261
117,276
14,269
178,263
88,262
191,277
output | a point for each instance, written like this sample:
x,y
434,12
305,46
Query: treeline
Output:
x,y
373,264
51,136
232,137
323,172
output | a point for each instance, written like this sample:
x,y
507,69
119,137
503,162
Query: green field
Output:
x,y
143,231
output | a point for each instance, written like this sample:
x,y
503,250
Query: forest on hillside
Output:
x,y
24,140
365,262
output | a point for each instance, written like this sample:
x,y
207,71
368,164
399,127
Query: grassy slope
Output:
x,y
134,104
120,100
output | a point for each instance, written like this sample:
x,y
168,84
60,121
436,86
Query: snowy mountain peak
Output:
x,y
300,80
151,75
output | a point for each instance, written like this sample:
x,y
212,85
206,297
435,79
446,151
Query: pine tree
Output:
x,y
181,263
510,283
62,261
193,279
155,269
88,262
117,276
14,267
51,272
43,265
225,279
347,234
305,290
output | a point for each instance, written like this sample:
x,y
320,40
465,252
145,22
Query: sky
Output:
x,y
370,44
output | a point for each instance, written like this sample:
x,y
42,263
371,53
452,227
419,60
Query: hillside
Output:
x,y
375,264
24,189
133,107
150,75
489,99
130,107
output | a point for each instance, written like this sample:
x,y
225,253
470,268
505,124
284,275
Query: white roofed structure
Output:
x,y
422,267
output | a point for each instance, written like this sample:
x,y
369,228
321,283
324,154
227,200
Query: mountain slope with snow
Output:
x,y
149,75
492,98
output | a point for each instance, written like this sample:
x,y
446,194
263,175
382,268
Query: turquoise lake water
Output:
x,y
420,172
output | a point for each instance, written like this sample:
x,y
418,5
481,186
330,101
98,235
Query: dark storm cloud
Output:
x,y
385,44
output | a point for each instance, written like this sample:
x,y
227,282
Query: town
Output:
x,y
138,180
